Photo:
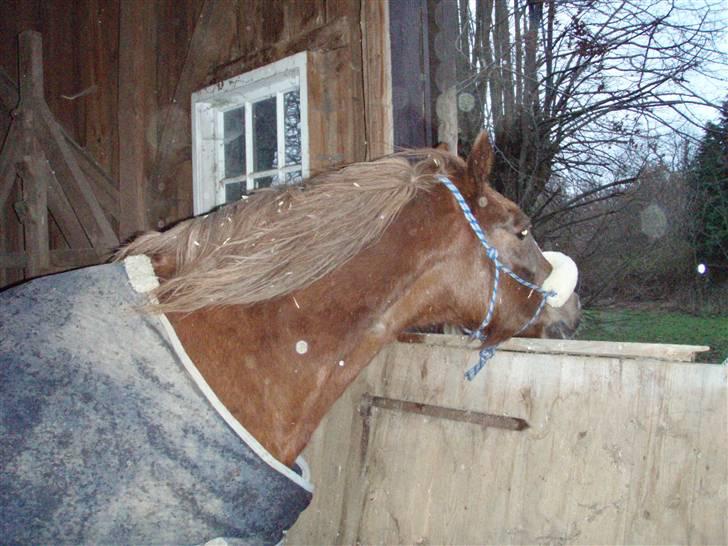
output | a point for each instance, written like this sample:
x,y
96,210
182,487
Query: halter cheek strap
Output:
x,y
486,353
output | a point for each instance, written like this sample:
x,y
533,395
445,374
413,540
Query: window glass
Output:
x,y
292,125
265,182
250,132
234,191
234,128
265,135
294,177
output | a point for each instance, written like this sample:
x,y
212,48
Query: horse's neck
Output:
x,y
279,366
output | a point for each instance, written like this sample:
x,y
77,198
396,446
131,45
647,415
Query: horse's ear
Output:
x,y
480,162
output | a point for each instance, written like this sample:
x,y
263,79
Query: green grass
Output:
x,y
658,327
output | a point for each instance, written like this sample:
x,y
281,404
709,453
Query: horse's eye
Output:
x,y
523,234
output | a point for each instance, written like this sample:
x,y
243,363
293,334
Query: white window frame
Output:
x,y
209,105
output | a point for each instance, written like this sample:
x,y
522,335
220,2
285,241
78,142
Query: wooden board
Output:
x,y
377,74
619,451
135,122
658,351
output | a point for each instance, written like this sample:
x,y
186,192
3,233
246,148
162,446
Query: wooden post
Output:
x,y
40,154
47,130
35,218
377,74
31,65
136,45
33,209
34,206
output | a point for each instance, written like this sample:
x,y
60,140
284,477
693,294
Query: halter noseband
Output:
x,y
486,353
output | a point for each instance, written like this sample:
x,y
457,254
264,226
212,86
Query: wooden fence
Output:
x,y
624,445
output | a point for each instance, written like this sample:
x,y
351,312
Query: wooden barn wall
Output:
x,y
80,54
81,39
119,75
619,451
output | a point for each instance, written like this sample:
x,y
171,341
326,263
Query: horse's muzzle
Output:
x,y
560,330
566,326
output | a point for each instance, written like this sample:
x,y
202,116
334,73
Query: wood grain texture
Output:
x,y
118,78
137,63
76,185
377,75
619,451
658,351
216,19
34,216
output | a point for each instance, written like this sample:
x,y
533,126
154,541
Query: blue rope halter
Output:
x,y
486,353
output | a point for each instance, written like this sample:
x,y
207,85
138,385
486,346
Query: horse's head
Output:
x,y
517,307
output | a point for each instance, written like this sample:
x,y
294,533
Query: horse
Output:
x,y
269,307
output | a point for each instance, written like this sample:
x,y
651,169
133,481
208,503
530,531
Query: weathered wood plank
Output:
x,y
103,185
175,128
300,17
10,155
13,260
260,23
336,104
176,22
333,35
76,186
98,69
137,63
377,74
339,8
31,65
3,244
11,238
35,214
65,258
659,351
9,96
61,208
104,188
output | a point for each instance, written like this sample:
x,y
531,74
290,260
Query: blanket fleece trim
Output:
x,y
143,279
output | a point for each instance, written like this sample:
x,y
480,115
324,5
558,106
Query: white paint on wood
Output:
x,y
208,106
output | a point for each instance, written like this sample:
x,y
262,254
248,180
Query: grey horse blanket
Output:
x,y
107,438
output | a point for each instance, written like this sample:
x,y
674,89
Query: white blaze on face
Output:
x,y
562,278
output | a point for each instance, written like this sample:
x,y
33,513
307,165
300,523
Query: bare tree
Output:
x,y
576,91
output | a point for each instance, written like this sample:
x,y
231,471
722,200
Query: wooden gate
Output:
x,y
626,443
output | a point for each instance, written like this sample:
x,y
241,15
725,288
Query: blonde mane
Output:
x,y
280,240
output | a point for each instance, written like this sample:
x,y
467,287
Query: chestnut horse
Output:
x,y
283,299
279,300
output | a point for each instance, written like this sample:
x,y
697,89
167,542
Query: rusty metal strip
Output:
x,y
440,412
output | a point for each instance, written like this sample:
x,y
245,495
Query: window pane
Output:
x,y
234,127
234,191
292,124
265,182
265,135
294,177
